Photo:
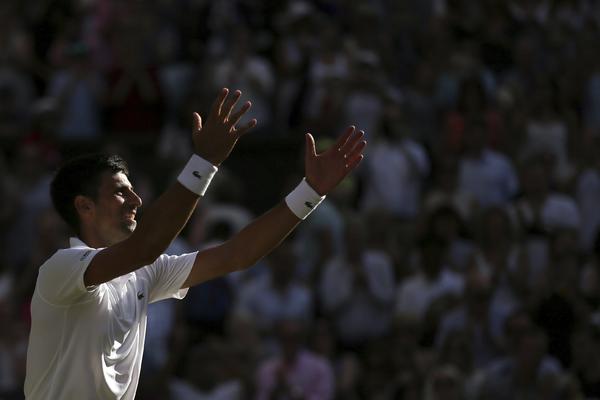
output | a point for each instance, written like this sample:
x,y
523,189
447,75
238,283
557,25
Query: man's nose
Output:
x,y
135,200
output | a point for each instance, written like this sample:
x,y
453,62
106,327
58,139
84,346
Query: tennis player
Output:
x,y
90,300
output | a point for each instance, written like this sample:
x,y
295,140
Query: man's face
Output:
x,y
115,208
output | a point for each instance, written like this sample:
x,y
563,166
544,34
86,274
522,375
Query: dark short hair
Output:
x,y
81,176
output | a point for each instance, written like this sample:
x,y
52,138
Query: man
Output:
x,y
297,372
90,301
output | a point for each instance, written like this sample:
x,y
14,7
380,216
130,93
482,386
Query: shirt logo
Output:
x,y
309,204
140,295
87,253
197,174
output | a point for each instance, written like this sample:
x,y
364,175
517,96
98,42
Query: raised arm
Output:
x,y
165,218
323,173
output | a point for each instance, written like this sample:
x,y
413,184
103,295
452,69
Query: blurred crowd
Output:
x,y
461,261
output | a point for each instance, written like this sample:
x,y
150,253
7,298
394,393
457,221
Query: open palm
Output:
x,y
326,170
216,139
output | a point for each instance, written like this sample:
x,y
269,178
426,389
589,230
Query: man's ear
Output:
x,y
83,205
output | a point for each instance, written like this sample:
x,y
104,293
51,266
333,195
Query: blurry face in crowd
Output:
x,y
531,347
431,259
497,229
283,265
290,339
111,216
535,179
475,138
447,385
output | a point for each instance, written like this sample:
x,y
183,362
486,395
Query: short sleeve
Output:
x,y
60,279
167,274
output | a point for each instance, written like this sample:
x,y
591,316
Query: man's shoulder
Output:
x,y
69,255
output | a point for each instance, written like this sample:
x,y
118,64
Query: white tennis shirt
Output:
x,y
87,343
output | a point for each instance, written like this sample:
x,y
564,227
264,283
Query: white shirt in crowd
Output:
x,y
490,179
559,211
87,343
268,305
360,313
588,198
396,172
416,293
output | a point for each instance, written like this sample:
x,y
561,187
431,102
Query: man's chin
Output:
x,y
130,226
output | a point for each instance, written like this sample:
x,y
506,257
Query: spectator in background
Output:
x,y
357,289
433,280
558,306
527,370
13,350
277,295
210,304
395,175
33,180
474,318
327,80
587,195
243,67
78,91
17,93
420,103
457,351
589,281
591,110
134,97
473,102
486,174
444,383
365,95
224,208
295,373
540,211
209,374
500,256
547,132
407,358
243,337
585,347
294,48
446,223
444,191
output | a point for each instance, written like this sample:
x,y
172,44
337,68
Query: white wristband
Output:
x,y
303,199
197,174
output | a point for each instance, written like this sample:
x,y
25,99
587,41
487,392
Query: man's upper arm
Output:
x,y
60,279
118,260
211,263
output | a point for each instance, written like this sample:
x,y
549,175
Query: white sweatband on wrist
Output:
x,y
197,174
303,199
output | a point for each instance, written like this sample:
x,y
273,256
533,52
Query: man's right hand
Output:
x,y
215,140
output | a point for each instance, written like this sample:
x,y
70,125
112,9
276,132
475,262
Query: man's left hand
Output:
x,y
326,170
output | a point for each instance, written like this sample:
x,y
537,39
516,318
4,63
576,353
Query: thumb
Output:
x,y
197,122
310,146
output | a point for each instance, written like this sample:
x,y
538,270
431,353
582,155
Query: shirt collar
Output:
x,y
76,242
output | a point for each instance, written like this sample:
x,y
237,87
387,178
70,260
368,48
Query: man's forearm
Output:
x,y
261,236
248,246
